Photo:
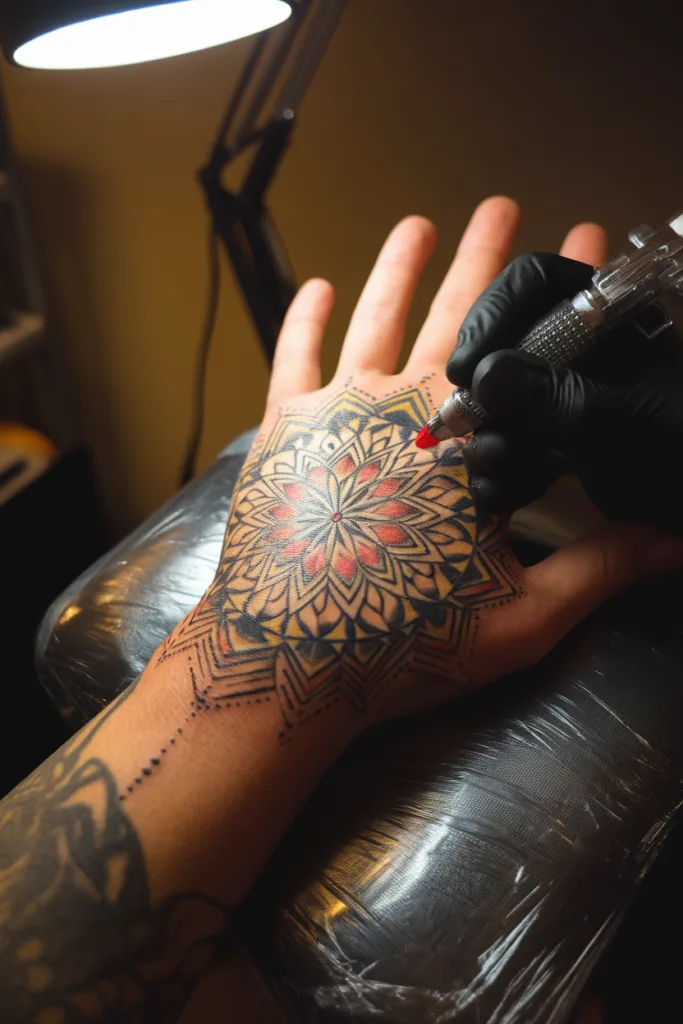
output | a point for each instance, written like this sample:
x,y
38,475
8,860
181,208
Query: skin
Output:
x,y
123,856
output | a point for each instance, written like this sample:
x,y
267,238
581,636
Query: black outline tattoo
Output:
x,y
79,937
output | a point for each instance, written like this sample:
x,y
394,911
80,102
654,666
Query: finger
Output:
x,y
587,243
508,472
525,291
525,392
494,496
574,581
296,366
375,335
483,251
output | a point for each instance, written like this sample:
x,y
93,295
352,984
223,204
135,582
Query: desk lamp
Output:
x,y
260,116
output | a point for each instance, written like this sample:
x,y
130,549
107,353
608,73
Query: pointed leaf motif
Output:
x,y
314,562
392,534
368,472
395,510
283,512
345,466
384,488
345,565
297,492
370,555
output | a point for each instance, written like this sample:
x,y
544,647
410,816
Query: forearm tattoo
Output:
x,y
80,939
351,556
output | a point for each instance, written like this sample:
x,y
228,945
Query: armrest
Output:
x,y
473,865
101,632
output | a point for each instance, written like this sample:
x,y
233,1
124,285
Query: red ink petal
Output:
x,y
345,466
384,488
426,440
368,472
295,548
318,475
369,556
295,491
282,512
391,534
281,533
395,509
346,567
314,562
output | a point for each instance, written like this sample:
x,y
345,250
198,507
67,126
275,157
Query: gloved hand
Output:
x,y
616,420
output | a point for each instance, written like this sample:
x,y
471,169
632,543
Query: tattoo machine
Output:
x,y
624,289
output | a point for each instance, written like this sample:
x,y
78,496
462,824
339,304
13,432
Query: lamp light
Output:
x,y
110,33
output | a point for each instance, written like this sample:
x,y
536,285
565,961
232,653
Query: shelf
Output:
x,y
26,330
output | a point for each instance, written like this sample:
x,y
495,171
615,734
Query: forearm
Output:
x,y
213,782
122,856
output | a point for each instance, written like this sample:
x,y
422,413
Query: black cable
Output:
x,y
197,420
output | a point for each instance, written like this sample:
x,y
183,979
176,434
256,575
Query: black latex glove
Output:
x,y
616,420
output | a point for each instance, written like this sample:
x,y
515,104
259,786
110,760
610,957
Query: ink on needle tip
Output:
x,y
426,440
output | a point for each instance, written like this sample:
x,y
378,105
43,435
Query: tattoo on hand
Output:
x,y
80,939
350,557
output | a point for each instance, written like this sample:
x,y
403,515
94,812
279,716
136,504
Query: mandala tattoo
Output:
x,y
350,556
80,939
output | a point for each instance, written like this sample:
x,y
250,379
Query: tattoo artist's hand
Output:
x,y
615,420
356,571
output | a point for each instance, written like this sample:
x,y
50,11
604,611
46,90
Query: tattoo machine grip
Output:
x,y
564,336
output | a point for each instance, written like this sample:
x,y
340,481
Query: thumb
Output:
x,y
571,583
526,391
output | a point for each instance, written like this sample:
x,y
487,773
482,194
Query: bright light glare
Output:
x,y
151,33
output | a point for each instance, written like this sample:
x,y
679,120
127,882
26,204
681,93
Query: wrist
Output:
x,y
218,675
191,710
233,775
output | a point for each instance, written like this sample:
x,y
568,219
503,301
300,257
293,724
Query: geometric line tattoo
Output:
x,y
350,555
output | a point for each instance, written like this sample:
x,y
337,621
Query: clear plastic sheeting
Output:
x,y
473,866
99,635
470,865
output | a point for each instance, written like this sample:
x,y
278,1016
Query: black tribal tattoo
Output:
x,y
350,557
80,940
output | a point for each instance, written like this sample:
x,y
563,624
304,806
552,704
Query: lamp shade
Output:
x,y
108,33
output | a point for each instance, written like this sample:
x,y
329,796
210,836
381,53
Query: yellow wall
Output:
x,y
419,107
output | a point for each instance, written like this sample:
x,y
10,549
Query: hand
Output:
x,y
356,571
619,415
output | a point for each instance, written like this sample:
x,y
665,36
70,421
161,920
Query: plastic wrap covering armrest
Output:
x,y
471,866
99,635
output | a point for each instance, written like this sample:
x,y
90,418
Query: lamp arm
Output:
x,y
242,223
240,217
